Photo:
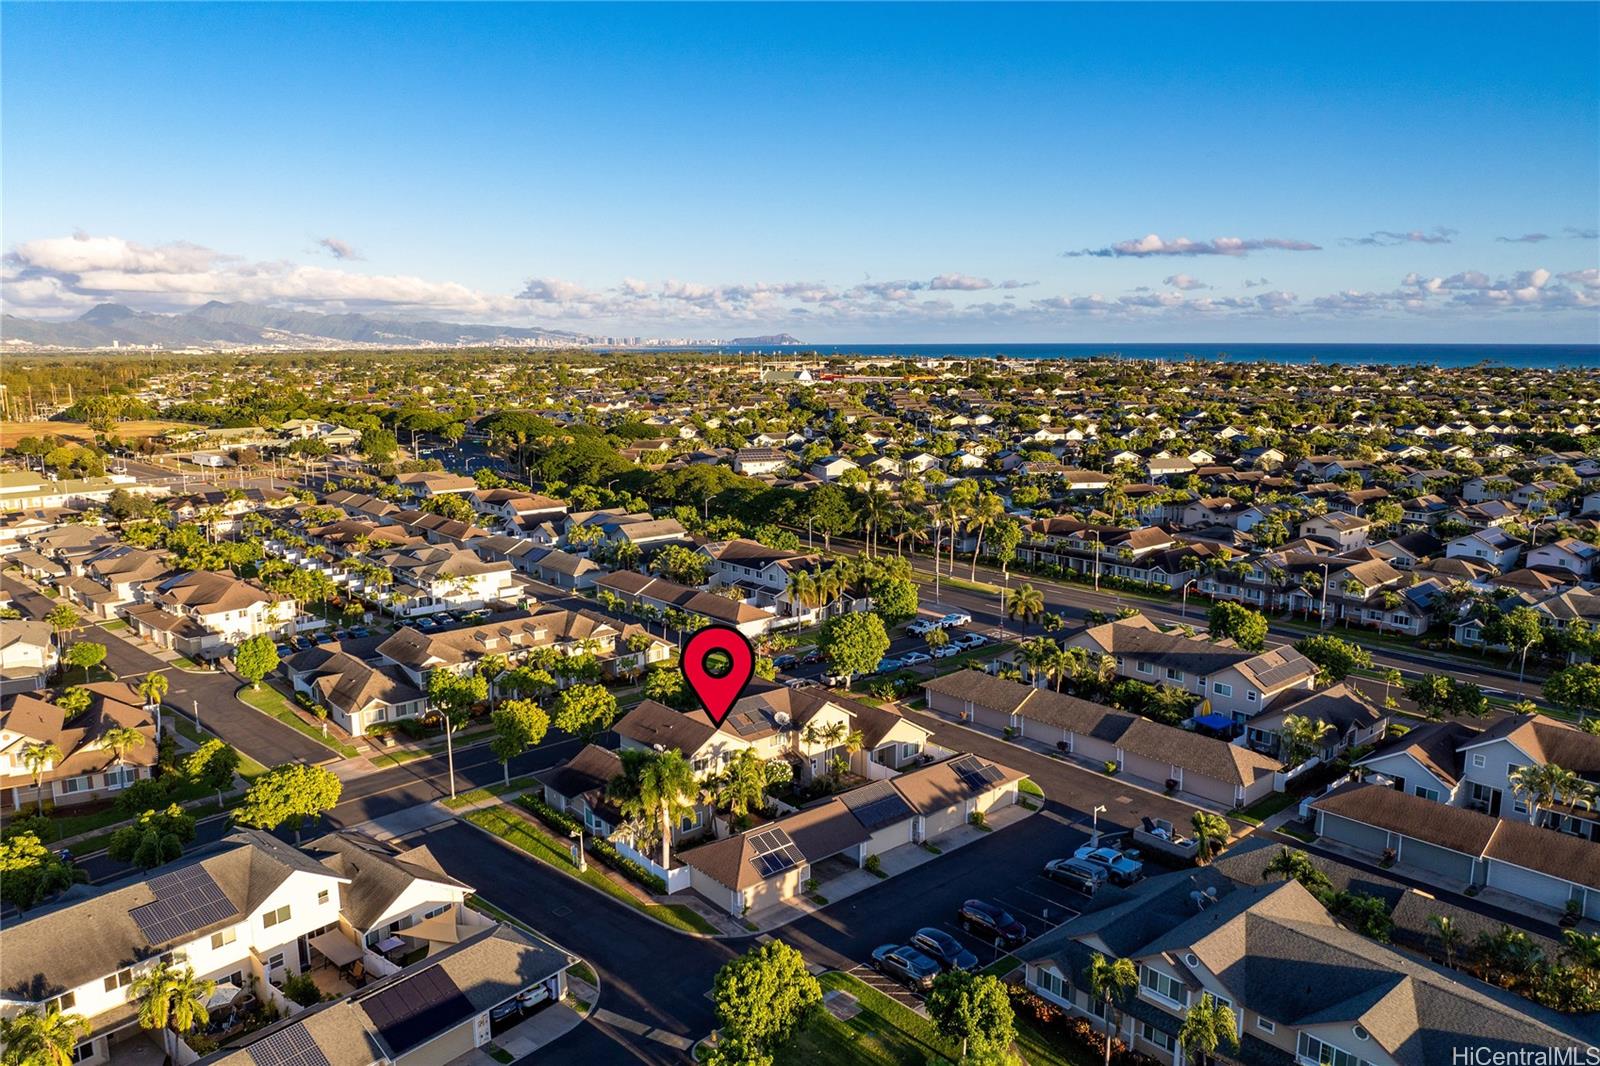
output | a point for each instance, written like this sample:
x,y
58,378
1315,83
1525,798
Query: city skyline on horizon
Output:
x,y
863,174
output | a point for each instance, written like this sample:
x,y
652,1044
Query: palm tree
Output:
x,y
874,509
666,793
1111,981
154,688
119,740
37,758
1449,934
1027,602
1582,950
1544,784
1301,736
48,1039
491,666
1206,1025
172,1000
989,509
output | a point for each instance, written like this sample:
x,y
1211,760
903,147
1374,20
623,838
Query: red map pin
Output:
x,y
717,694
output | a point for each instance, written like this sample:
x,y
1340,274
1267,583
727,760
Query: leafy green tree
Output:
x,y
212,766
1520,629
742,786
452,697
518,725
153,688
1004,540
683,565
32,1038
1449,936
1247,628
1208,1025
974,1009
155,837
1431,694
62,619
1026,603
31,872
255,658
760,999
1576,688
894,599
1335,659
293,791
827,510
853,643
85,655
585,711
665,684
379,445
450,505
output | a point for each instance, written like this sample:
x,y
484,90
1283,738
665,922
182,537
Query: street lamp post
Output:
x,y
580,862
1322,620
1183,611
1095,828
196,705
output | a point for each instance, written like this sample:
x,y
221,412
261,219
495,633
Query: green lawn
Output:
x,y
116,625
399,758
478,795
269,700
1267,806
523,834
885,1033
1001,966
1028,788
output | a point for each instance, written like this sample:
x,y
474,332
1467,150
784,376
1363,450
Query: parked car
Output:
x,y
923,626
955,619
906,965
361,632
1080,876
992,922
811,658
915,658
969,640
302,643
427,625
944,949
886,665
284,651
944,651
446,619
784,662
509,1009
1122,869
800,682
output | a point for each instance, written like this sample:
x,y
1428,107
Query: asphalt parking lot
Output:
x,y
1037,902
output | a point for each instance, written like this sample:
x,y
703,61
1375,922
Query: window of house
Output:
x,y
1427,793
1266,1026
1147,668
1163,987
223,938
75,784
1174,674
120,979
64,1002
1250,695
275,961
273,917
1053,983
1478,760
1155,1036
1222,690
322,898
1321,1053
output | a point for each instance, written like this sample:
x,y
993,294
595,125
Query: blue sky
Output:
x,y
899,172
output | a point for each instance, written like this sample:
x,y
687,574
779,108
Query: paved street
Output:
x,y
657,977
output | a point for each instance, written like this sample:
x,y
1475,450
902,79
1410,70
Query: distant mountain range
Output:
x,y
769,339
223,325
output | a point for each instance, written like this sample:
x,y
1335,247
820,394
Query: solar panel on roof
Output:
x,y
186,900
881,812
288,1047
420,1006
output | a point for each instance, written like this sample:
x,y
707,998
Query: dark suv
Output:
x,y
944,949
992,922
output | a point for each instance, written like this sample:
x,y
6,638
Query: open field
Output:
x,y
11,432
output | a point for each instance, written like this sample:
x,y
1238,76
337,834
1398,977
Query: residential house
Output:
x,y
1302,988
27,656
1568,553
1343,531
205,614
1493,546
357,694
87,770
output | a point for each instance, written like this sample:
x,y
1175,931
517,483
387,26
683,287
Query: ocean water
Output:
x,y
1517,356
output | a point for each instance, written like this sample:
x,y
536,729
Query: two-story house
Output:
x,y
434,579
1302,988
204,614
87,769
1492,545
27,656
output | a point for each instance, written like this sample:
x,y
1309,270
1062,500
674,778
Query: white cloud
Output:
x,y
1154,244
338,249
1385,238
1184,282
